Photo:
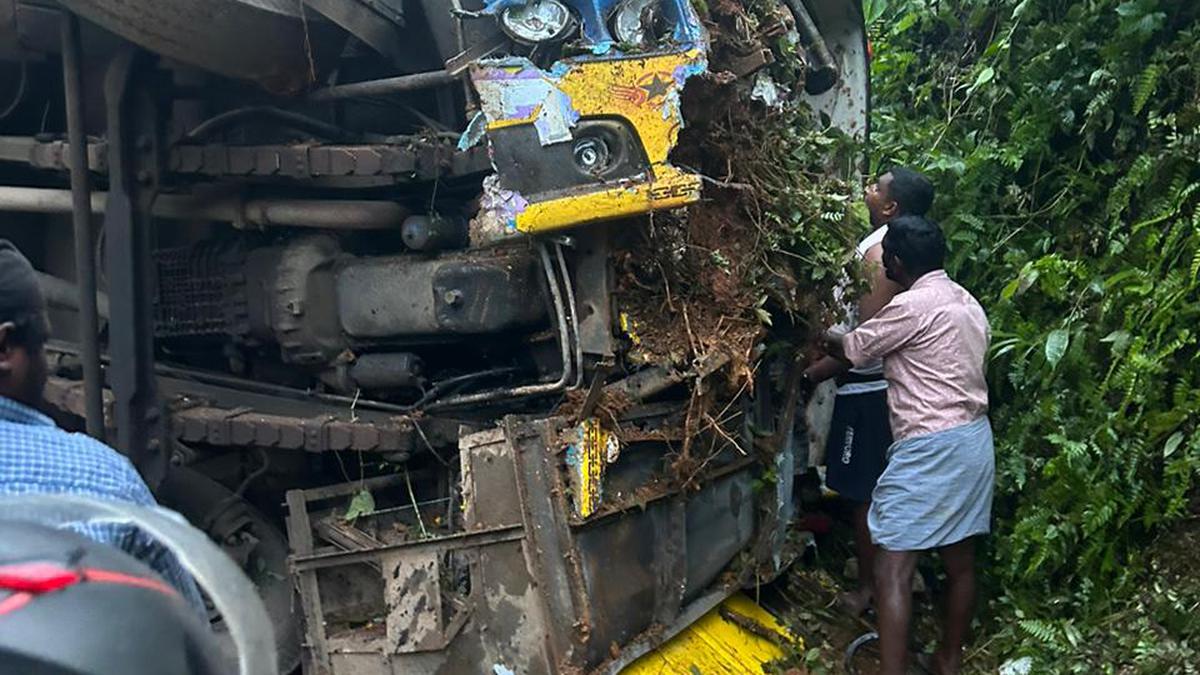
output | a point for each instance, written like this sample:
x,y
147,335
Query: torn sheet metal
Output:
x,y
498,212
514,91
588,456
474,134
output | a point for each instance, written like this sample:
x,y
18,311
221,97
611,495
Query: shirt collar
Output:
x,y
930,278
17,413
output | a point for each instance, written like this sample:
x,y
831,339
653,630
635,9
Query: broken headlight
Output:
x,y
537,21
638,22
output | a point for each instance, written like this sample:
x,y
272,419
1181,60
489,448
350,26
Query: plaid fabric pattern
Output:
x,y
38,457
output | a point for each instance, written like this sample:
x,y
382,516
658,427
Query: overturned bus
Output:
x,y
337,275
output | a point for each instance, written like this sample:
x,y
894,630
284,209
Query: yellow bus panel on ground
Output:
x,y
715,645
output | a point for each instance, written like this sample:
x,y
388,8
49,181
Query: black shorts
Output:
x,y
859,437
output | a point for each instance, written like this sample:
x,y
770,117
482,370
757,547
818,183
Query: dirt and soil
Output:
x,y
758,255
751,266
806,600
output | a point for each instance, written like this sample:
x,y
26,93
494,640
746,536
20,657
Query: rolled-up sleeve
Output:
x,y
883,334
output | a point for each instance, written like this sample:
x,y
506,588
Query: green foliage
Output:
x,y
1064,136
363,504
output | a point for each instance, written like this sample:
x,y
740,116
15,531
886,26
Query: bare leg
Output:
x,y
960,597
857,601
893,604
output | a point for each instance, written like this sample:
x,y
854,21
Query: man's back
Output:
x,y
39,457
36,457
933,339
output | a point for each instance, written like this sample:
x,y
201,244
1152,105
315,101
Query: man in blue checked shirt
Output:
x,y
38,457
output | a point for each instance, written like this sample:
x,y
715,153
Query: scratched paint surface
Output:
x,y
642,90
513,91
587,457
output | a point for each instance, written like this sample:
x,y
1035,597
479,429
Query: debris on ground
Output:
x,y
806,600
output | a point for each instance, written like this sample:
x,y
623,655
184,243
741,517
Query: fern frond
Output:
x,y
1144,86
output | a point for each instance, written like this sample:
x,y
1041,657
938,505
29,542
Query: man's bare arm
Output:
x,y
880,294
882,289
834,344
825,368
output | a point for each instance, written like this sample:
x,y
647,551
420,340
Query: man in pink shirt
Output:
x,y
936,492
860,433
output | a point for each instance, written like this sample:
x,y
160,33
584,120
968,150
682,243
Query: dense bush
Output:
x,y
1064,137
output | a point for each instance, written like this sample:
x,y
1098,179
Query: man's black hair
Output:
x,y
911,190
918,242
21,301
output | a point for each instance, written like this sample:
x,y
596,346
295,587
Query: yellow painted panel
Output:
x,y
644,91
588,456
673,189
716,646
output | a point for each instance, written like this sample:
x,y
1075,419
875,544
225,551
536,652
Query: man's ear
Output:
x,y
6,346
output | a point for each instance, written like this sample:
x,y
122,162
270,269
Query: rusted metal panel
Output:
x,y
512,623
549,549
489,481
316,655
425,627
414,602
671,564
620,567
549,593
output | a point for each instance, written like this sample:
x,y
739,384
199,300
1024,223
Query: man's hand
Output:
x,y
833,343
823,369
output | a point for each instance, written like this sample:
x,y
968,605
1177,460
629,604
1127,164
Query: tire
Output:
x,y
194,496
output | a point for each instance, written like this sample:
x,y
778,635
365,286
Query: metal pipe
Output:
x,y
564,346
285,117
62,293
384,87
578,344
339,214
821,78
85,262
20,93
43,200
266,212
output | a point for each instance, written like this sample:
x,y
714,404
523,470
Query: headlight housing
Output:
x,y
635,21
538,21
